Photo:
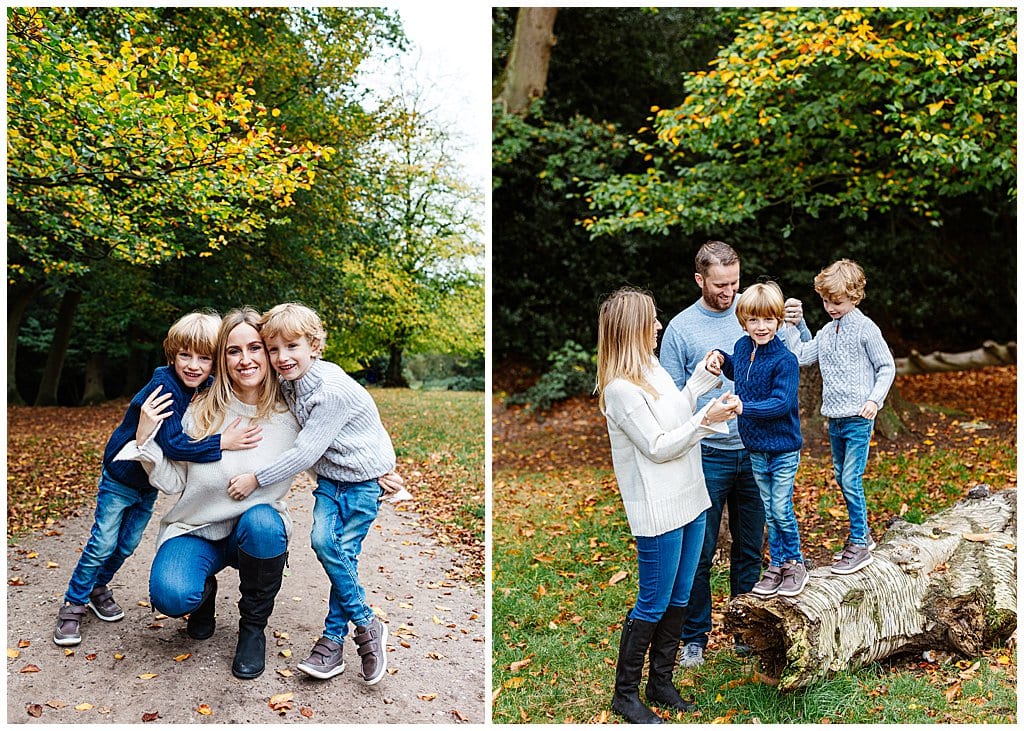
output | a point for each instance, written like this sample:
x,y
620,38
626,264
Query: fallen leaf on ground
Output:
x,y
459,716
29,669
284,672
147,676
427,696
147,717
281,701
83,707
205,710
184,656
12,653
617,577
23,643
306,711
34,709
56,704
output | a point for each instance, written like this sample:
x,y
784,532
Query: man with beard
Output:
x,y
710,323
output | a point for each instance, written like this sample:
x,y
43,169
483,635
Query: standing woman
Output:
x,y
653,432
207,529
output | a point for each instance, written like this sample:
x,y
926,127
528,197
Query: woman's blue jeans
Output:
x,y
851,439
666,565
342,516
122,513
775,474
183,563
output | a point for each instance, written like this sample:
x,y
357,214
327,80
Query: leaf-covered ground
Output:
x,y
54,457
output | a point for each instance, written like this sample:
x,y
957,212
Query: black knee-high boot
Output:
x,y
202,620
259,580
636,638
664,647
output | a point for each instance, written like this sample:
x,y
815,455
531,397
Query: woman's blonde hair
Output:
x,y
211,406
763,299
625,331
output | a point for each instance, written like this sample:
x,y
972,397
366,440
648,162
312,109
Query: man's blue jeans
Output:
x,y
666,567
775,474
122,513
851,439
730,481
182,563
342,516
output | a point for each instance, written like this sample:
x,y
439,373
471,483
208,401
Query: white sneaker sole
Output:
x,y
67,641
312,672
105,618
384,655
853,569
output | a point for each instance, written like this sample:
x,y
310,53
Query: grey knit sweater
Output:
x,y
856,364
342,435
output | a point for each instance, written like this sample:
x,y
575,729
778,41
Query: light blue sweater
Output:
x,y
856,364
688,338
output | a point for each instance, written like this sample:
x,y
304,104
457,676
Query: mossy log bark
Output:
x,y
947,583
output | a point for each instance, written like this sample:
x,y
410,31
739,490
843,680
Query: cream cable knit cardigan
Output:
x,y
654,449
204,507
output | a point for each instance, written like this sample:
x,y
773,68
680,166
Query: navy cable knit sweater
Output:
x,y
766,379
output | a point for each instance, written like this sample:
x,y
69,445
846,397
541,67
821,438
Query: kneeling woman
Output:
x,y
207,529
655,437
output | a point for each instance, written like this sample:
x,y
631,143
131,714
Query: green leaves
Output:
x,y
826,110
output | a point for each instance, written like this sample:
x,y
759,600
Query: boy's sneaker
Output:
x,y
768,586
794,578
691,656
871,547
373,651
853,558
102,604
325,661
68,631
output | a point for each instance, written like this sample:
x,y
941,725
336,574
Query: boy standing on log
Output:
x,y
857,370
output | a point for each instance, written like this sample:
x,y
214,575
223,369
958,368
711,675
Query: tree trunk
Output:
x,y
948,583
393,377
94,392
47,395
990,353
19,297
526,71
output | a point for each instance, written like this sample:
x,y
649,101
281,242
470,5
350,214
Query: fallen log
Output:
x,y
989,354
947,583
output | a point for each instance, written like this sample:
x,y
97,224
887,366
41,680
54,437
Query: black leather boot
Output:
x,y
636,638
259,580
664,648
202,620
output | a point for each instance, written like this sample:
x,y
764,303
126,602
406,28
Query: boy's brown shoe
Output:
x,y
102,604
325,661
373,652
853,559
68,631
768,586
794,578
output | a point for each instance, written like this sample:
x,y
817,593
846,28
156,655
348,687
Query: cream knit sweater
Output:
x,y
654,449
204,508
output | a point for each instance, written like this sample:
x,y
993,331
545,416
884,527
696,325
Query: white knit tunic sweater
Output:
x,y
204,507
655,450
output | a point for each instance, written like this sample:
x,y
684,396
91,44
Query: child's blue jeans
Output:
x,y
342,516
775,474
122,513
182,563
851,439
666,567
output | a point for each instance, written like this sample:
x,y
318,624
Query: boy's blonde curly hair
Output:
x,y
843,277
291,320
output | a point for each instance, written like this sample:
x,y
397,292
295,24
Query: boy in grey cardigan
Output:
x,y
342,437
857,370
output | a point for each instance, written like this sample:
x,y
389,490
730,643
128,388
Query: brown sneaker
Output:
x,y
373,651
325,661
102,604
871,547
68,631
853,558
768,586
794,578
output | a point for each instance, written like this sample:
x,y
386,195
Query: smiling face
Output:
x,y
291,356
246,362
761,329
719,286
192,368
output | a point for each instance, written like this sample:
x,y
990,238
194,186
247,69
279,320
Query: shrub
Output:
x,y
572,370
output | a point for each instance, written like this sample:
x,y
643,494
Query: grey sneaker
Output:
x,y
794,578
373,650
68,631
102,604
692,655
325,661
853,558
871,547
768,586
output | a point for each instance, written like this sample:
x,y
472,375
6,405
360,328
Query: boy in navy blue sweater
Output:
x,y
125,499
766,376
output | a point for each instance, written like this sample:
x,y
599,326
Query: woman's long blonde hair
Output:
x,y
210,407
625,331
